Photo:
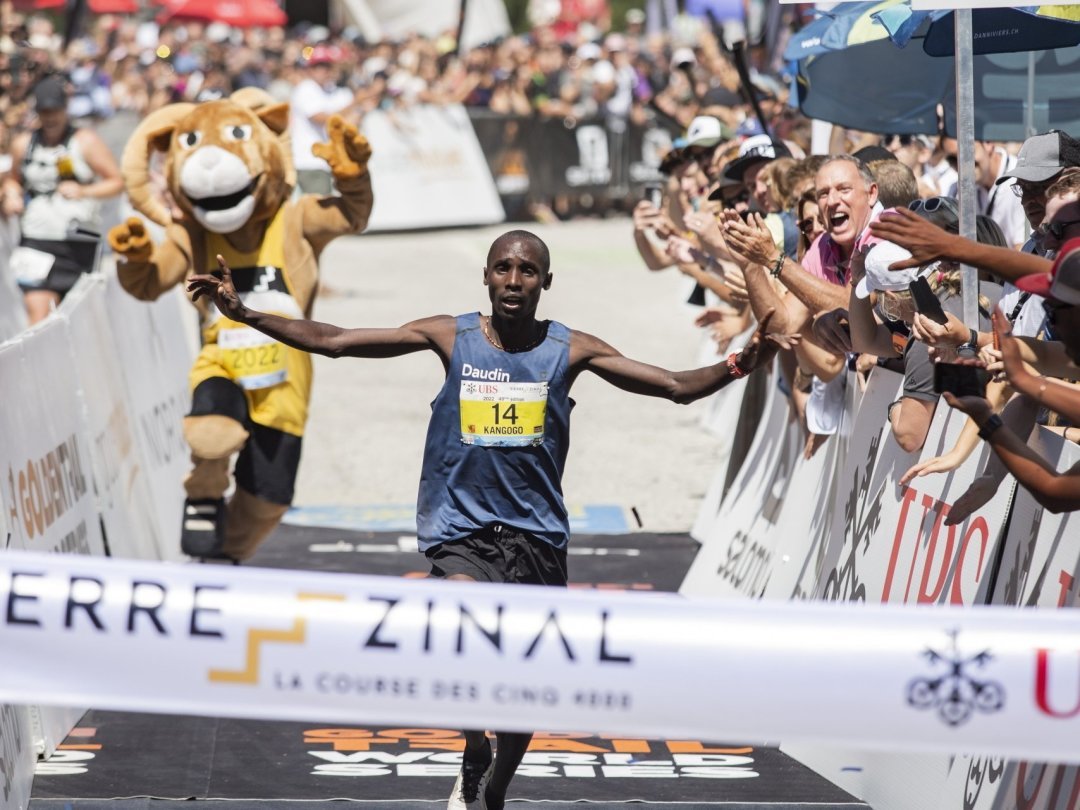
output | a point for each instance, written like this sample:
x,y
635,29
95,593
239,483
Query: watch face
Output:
x,y
967,351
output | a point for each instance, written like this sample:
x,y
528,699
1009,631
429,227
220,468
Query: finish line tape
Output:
x,y
290,645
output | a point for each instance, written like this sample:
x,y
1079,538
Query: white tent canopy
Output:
x,y
378,19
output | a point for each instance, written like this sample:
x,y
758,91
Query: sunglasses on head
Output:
x,y
930,205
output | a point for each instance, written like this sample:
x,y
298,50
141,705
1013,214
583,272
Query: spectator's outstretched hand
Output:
x,y
925,241
833,331
218,287
978,408
947,335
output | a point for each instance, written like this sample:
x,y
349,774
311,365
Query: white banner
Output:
x,y
247,642
123,492
736,555
151,345
16,758
428,170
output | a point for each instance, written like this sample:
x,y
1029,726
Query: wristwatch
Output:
x,y
989,426
970,349
733,368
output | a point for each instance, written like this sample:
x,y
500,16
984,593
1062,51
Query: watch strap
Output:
x,y
989,426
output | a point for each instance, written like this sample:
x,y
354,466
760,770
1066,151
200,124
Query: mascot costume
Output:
x,y
228,171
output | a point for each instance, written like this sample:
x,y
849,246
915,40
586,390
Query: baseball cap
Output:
x,y
323,55
878,275
683,56
50,94
704,131
590,50
1062,283
755,149
635,16
1043,156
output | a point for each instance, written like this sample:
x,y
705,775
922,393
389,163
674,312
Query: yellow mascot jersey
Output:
x,y
276,378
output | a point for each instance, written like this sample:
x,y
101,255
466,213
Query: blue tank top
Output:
x,y
497,441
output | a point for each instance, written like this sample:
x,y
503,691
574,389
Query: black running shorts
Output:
x,y
499,554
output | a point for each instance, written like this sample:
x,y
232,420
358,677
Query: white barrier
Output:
x,y
309,646
16,757
428,171
150,341
120,480
12,311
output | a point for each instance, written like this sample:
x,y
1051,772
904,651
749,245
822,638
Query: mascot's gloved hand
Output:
x,y
347,152
131,241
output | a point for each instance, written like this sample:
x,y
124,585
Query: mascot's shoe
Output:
x,y
213,437
468,792
203,532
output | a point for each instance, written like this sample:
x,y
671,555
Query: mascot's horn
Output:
x,y
135,162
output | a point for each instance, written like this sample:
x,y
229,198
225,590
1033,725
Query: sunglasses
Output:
x,y
930,205
806,226
1023,189
1052,308
1055,229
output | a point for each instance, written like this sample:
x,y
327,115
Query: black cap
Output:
x,y
869,154
50,94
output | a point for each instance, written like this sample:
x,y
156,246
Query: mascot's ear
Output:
x,y
159,140
275,117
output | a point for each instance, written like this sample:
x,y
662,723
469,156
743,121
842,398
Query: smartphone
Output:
x,y
926,303
960,380
654,194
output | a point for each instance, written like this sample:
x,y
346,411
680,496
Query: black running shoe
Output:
x,y
468,793
203,532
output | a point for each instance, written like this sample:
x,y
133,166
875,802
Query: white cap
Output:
x,y
603,72
704,131
683,55
878,275
590,50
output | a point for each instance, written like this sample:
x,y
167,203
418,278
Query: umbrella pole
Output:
x,y
965,147
1029,110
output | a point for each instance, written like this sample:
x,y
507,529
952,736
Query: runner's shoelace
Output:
x,y
471,774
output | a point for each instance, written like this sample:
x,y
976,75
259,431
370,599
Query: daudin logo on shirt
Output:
x,y
496,374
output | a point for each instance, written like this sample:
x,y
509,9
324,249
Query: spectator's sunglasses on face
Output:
x,y
1022,188
1055,229
1052,308
806,226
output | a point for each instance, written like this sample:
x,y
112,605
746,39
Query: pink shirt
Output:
x,y
824,260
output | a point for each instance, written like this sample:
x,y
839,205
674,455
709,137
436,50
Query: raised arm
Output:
x,y
588,353
927,243
436,333
1057,492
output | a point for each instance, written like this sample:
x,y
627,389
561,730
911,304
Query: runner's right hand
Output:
x,y
218,287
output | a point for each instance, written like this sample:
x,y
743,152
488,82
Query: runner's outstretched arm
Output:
x,y
434,333
593,354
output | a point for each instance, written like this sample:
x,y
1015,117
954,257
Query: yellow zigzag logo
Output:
x,y
258,636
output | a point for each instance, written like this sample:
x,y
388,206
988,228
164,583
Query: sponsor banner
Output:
x,y
1040,568
48,487
579,157
892,544
505,142
736,556
428,171
306,646
123,495
16,758
150,342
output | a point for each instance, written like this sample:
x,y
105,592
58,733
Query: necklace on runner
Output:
x,y
485,323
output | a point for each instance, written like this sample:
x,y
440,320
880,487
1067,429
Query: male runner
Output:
x,y
490,506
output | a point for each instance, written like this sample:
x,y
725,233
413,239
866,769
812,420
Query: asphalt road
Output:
x,y
366,434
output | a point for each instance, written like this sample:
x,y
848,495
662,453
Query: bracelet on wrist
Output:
x,y
987,429
733,367
777,266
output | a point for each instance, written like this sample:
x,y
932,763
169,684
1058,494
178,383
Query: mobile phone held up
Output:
x,y
926,303
654,194
960,380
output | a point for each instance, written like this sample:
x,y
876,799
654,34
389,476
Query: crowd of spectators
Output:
x,y
828,247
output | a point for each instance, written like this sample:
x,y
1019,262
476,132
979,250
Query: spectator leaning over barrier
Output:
x,y
59,176
896,333
1057,492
